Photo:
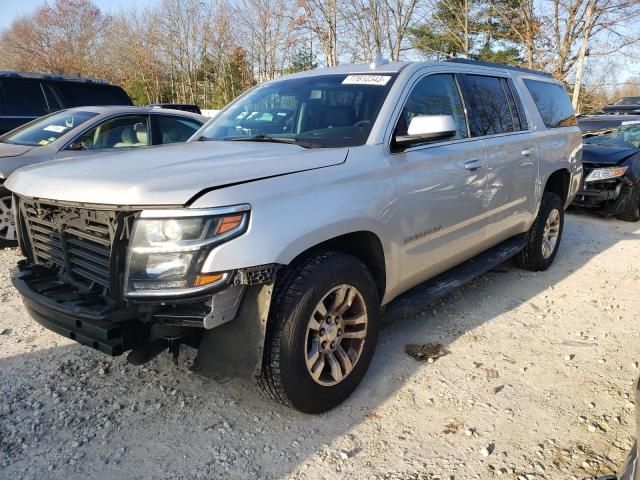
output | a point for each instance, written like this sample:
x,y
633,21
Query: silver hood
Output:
x,y
8,150
165,175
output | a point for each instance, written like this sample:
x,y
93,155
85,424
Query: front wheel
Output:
x,y
543,239
7,221
322,332
633,213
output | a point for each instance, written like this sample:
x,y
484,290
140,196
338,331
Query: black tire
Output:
x,y
633,214
532,257
285,376
7,223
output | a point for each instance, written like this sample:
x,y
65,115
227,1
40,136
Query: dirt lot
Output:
x,y
536,385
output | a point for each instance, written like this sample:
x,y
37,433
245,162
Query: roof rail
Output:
x,y
49,76
496,65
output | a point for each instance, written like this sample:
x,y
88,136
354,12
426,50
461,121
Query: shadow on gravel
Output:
x,y
69,412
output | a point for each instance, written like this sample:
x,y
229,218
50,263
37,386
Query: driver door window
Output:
x,y
435,95
122,132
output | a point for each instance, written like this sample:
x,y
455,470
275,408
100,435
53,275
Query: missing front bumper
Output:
x,y
228,327
62,309
608,198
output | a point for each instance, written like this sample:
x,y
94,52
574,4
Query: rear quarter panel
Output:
x,y
557,148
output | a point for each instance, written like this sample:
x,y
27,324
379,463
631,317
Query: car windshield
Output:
x,y
625,136
47,129
628,101
316,111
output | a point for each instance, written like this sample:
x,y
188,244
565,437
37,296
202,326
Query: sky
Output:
x,y
10,9
14,8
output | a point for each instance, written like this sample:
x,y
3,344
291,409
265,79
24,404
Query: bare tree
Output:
x,y
578,29
322,18
270,31
377,26
65,37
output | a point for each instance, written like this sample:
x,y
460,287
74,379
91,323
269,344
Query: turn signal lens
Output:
x,y
228,223
208,279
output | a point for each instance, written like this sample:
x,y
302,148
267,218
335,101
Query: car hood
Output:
x,y
606,155
165,175
8,150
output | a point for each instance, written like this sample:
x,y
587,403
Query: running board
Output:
x,y
413,301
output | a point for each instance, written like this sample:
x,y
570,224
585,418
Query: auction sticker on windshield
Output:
x,y
366,80
55,128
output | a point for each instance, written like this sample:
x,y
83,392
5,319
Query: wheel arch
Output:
x,y
365,245
558,182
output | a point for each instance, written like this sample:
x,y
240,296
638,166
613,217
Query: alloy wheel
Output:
x,y
551,233
7,221
336,335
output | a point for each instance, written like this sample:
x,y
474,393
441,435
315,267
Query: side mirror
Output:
x,y
427,128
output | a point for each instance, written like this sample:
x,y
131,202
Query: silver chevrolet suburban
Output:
x,y
272,238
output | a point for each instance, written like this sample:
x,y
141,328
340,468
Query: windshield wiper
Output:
x,y
267,139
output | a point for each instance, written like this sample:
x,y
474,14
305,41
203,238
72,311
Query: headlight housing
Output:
x,y
605,173
167,249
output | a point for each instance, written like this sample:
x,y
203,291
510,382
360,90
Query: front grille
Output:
x,y
77,242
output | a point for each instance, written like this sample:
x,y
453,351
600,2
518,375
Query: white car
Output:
x,y
79,132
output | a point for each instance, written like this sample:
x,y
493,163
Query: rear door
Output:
x,y
441,185
497,117
21,100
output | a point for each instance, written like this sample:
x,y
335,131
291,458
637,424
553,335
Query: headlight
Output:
x,y
605,173
167,249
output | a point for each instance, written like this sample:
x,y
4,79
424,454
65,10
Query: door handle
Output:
x,y
473,165
527,152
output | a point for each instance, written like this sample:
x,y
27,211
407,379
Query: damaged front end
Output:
x,y
118,279
606,189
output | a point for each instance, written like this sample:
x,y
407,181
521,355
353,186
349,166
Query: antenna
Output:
x,y
379,60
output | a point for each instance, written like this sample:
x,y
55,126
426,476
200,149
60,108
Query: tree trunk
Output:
x,y
582,54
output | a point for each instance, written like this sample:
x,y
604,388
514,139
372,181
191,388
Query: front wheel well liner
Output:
x,y
558,182
365,246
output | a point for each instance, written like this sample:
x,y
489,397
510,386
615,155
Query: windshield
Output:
x,y
625,136
628,101
316,111
45,130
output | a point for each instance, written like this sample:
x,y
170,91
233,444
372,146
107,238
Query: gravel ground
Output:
x,y
536,384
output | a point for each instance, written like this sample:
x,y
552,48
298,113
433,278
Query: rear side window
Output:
x,y
553,104
490,107
174,129
23,98
85,94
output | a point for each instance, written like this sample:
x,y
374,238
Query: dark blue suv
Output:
x,y
26,96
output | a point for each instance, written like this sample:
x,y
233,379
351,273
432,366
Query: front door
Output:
x,y
441,186
114,134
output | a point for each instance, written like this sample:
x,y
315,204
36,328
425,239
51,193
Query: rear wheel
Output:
x,y
322,332
7,221
543,239
633,214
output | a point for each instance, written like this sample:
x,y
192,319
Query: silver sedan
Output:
x,y
85,131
